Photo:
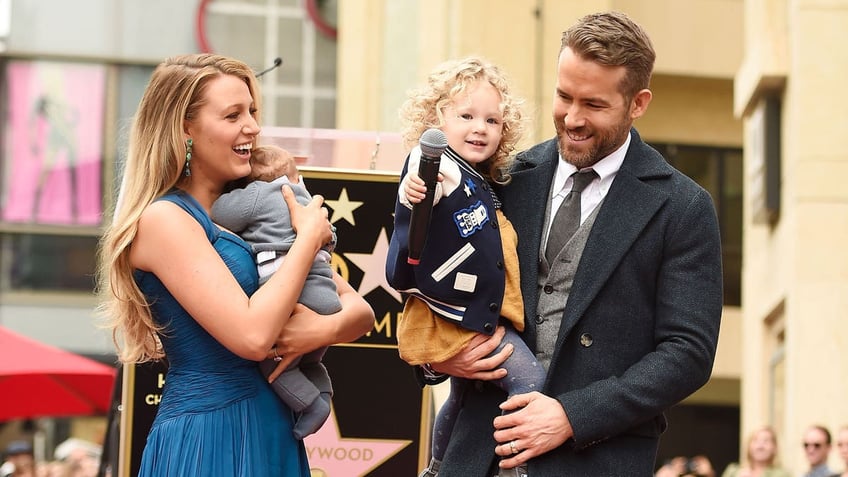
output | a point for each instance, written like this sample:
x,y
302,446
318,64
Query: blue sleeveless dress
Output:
x,y
218,416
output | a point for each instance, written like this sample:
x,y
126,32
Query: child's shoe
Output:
x,y
432,470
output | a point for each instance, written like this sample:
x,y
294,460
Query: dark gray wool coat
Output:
x,y
648,290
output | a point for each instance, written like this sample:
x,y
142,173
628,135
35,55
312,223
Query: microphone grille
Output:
x,y
433,142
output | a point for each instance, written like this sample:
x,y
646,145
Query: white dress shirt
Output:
x,y
595,192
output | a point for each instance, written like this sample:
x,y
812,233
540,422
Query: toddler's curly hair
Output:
x,y
424,109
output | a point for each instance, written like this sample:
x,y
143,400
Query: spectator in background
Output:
x,y
697,466
816,449
53,468
19,460
760,457
842,445
79,457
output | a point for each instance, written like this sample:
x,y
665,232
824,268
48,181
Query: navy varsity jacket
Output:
x,y
461,272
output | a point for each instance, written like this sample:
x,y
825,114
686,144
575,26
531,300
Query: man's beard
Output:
x,y
605,142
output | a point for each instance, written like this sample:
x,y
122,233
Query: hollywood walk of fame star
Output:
x,y
335,455
373,266
343,207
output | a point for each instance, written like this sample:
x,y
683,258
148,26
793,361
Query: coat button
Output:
x,y
586,340
494,224
488,327
500,265
493,307
548,289
539,319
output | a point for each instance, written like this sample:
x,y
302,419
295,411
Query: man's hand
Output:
x,y
472,363
533,424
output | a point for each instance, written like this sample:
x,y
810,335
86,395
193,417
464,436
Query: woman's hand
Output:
x,y
307,330
309,221
304,332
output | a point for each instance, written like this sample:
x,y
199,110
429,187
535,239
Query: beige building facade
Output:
x,y
761,77
795,274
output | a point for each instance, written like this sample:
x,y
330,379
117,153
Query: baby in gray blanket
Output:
x,y
258,213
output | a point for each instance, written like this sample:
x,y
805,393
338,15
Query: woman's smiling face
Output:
x,y
223,132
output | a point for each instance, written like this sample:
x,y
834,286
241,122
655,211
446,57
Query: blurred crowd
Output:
x,y
761,460
72,458
79,458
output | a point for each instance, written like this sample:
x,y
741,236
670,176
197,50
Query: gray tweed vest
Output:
x,y
554,287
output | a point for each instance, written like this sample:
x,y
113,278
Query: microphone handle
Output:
x,y
419,222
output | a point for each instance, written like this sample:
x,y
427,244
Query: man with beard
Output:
x,y
624,314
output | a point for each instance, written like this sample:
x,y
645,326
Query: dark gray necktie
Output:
x,y
567,219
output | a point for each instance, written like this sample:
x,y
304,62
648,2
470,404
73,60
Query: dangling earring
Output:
x,y
187,169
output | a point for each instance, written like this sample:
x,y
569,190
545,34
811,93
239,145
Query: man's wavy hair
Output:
x,y
613,39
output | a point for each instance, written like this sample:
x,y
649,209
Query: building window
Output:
x,y
719,171
47,263
301,92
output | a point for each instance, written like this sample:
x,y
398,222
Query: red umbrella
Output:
x,y
38,380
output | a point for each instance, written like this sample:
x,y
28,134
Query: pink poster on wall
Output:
x,y
52,159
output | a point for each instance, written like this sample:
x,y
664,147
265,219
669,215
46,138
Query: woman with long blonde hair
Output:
x,y
760,457
177,286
